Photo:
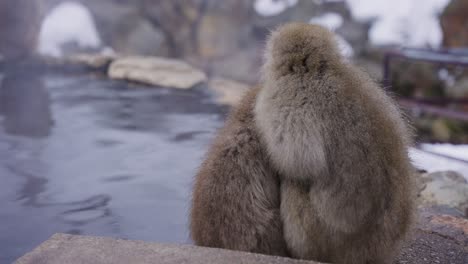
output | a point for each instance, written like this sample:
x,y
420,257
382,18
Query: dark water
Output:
x,y
84,155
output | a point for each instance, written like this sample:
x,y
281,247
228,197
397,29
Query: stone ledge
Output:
x,y
72,249
441,236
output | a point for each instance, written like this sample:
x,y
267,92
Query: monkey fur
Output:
x,y
321,141
236,198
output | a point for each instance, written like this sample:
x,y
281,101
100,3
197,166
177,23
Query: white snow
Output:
x,y
400,22
407,22
108,51
330,20
432,163
333,21
345,48
68,22
272,7
447,77
458,151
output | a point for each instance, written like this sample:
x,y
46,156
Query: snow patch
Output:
x,y
272,7
407,22
458,151
333,21
401,22
108,51
447,77
345,48
68,22
432,163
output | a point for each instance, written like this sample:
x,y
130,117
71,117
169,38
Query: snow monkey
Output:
x,y
323,142
236,197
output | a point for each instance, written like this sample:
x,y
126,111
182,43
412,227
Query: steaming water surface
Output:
x,y
84,155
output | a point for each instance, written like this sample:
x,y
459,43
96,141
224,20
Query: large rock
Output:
x,y
440,237
137,36
71,249
156,71
217,36
18,36
122,26
93,61
243,65
25,104
178,20
445,188
225,27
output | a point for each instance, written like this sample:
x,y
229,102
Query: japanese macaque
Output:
x,y
236,197
323,142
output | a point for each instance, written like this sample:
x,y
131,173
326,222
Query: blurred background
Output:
x,y
107,106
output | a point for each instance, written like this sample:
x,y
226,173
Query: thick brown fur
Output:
x,y
313,165
236,197
340,145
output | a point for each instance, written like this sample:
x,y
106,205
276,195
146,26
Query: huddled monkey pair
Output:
x,y
312,164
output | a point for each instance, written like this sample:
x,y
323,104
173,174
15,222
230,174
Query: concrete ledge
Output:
x,y
72,249
441,236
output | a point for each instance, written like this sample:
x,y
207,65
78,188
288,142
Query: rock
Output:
x,y
137,36
156,71
454,22
438,238
72,249
216,36
122,26
178,20
243,65
225,28
444,188
18,36
95,61
451,221
228,92
25,104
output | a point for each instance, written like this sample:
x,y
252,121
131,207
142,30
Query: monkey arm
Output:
x,y
236,205
344,210
357,188
236,194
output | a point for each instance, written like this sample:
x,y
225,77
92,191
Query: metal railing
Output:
x,y
435,106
